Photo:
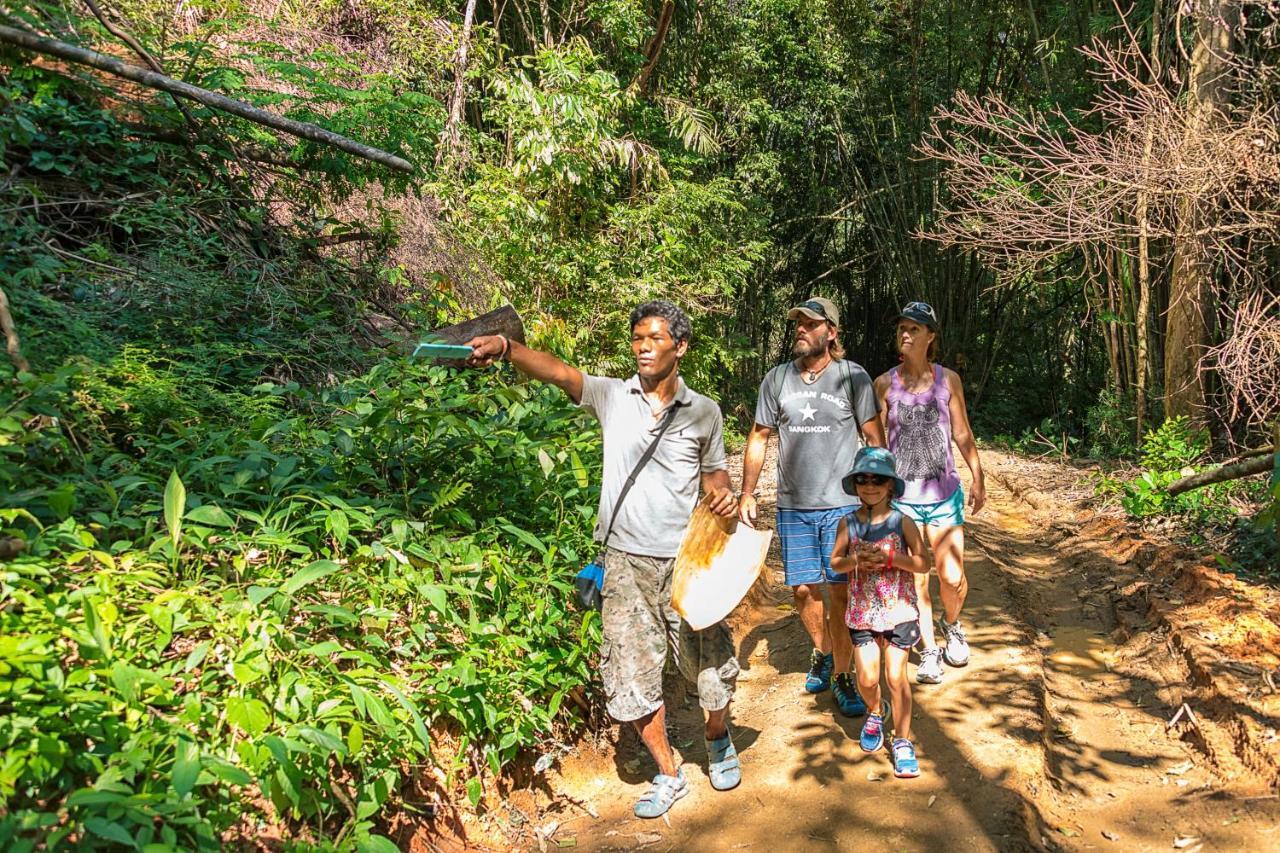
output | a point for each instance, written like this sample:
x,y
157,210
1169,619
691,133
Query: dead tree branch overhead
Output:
x,y
163,83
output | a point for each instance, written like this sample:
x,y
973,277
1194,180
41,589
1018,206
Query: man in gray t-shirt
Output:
x,y
641,532
822,406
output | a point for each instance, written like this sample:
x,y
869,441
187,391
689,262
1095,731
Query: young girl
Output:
x,y
880,549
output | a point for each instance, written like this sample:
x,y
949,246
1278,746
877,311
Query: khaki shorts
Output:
x,y
639,622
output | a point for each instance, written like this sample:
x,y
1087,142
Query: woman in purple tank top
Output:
x,y
922,407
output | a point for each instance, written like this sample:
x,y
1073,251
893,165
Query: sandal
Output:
x,y
722,764
664,791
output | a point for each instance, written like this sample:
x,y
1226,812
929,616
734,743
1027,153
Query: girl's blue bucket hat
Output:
x,y
874,460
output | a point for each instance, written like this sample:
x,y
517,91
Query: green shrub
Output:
x,y
1169,452
295,604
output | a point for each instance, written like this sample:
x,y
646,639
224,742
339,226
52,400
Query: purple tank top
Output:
x,y
920,439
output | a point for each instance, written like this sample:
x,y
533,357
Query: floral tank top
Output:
x,y
920,439
879,599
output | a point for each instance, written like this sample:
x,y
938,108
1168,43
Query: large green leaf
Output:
x,y
175,503
186,767
308,575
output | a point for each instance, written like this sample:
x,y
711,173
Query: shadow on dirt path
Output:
x,y
1045,741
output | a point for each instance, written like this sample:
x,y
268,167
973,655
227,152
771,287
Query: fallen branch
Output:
x,y
1222,474
150,79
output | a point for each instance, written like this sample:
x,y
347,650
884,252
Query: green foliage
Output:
x,y
298,606
1169,452
1108,426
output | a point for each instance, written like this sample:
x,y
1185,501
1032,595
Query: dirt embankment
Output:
x,y
1122,693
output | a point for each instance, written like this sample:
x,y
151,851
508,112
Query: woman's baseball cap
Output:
x,y
919,312
874,460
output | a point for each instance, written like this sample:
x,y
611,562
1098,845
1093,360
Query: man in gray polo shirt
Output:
x,y
638,620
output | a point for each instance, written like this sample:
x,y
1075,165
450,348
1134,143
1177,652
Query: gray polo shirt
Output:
x,y
818,430
656,511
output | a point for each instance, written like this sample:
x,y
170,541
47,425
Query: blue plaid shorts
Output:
x,y
808,536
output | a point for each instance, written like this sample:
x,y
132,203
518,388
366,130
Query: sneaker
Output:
x,y
872,733
957,650
819,677
905,765
930,669
846,695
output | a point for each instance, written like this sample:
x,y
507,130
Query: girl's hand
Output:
x,y
871,556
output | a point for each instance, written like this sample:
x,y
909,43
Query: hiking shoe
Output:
x,y
930,669
872,737
661,795
819,677
957,650
846,695
905,765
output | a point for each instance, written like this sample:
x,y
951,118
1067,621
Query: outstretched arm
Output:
x,y
542,366
962,434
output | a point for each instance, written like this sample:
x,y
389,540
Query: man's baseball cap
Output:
x,y
919,312
816,308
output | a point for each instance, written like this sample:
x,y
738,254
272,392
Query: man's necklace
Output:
x,y
811,376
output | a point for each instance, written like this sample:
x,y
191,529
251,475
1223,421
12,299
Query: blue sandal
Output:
x,y
661,795
722,764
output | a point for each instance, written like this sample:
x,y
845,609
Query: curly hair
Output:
x,y
678,323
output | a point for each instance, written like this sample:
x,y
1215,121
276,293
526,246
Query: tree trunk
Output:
x,y
451,138
11,336
1190,291
1144,246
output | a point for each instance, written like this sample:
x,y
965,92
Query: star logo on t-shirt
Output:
x,y
808,411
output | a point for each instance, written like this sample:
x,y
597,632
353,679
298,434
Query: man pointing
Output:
x,y
666,441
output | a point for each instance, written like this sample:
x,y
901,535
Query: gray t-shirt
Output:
x,y
656,512
818,435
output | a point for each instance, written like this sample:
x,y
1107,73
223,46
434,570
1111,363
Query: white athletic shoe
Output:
x,y
930,669
957,649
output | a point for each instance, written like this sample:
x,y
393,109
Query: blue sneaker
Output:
x,y
819,677
872,733
905,765
846,696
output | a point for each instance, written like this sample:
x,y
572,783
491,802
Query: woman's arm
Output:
x,y
841,563
962,435
882,397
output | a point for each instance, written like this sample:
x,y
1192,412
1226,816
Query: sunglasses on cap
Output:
x,y
870,479
817,308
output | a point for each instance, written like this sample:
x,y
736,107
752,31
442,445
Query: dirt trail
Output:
x,y
1054,736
